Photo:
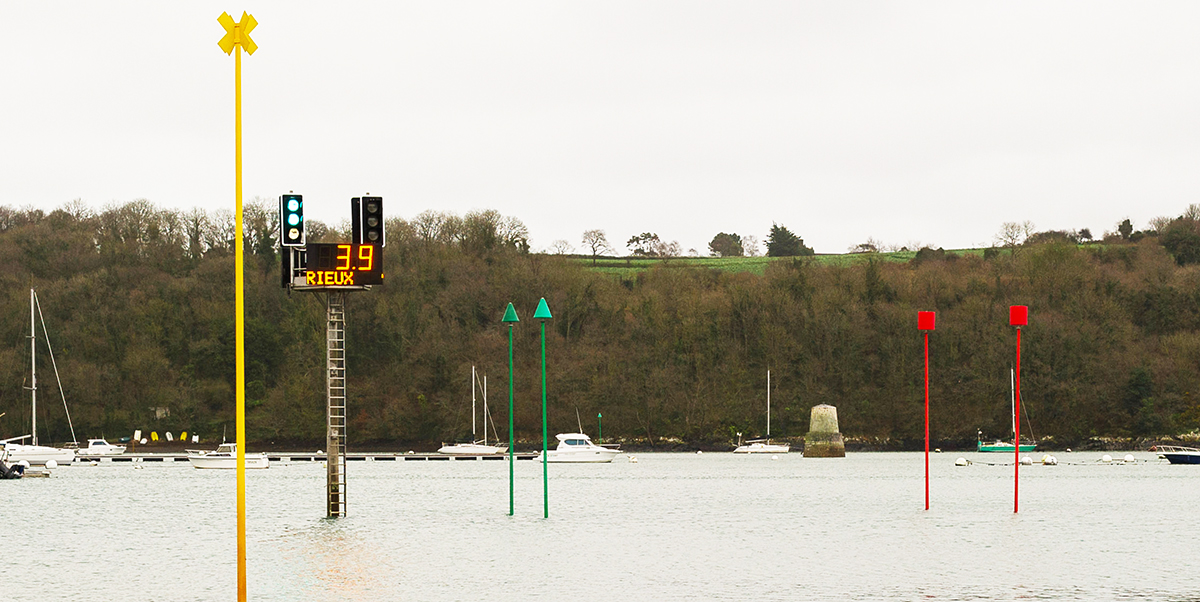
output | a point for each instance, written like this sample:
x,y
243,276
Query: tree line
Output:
x,y
138,302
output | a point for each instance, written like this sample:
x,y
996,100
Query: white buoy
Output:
x,y
1068,450
1129,458
1026,461
1048,460
699,451
774,457
937,450
24,463
1106,458
961,462
633,459
51,464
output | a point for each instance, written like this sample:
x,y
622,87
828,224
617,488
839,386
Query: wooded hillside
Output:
x,y
139,305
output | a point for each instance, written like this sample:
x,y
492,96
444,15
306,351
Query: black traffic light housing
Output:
x,y
291,220
366,221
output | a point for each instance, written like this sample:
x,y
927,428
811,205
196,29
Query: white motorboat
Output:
x,y
100,447
1177,455
763,446
578,447
34,454
475,448
225,457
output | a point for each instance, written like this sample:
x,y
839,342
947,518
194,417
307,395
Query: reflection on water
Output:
x,y
330,556
671,527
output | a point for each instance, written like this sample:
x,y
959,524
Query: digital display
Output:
x,y
332,264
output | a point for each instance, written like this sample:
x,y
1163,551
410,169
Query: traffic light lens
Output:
x,y
372,221
372,207
293,205
293,220
373,235
293,233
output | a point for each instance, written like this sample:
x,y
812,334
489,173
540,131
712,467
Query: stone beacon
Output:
x,y
823,439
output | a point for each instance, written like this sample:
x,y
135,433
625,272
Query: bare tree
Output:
x,y
596,242
871,246
1160,223
561,247
669,249
1013,234
751,246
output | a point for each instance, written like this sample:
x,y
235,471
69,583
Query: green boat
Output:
x,y
1004,446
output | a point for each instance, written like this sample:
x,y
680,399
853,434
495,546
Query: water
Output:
x,y
670,527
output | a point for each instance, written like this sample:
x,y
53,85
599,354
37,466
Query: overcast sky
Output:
x,y
903,121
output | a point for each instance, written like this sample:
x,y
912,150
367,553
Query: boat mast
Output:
x,y
33,369
485,415
768,404
472,404
1012,383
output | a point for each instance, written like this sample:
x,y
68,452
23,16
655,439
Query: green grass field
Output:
x,y
755,265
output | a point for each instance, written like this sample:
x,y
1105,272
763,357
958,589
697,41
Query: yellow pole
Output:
x,y
237,36
239,308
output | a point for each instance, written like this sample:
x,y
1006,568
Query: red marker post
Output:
x,y
925,322
1018,315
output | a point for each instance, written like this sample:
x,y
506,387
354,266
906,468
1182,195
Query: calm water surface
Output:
x,y
669,527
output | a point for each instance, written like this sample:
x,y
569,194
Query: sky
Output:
x,y
903,122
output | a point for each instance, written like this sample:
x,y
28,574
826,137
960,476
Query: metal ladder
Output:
x,y
335,415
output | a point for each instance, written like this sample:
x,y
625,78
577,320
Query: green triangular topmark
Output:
x,y
543,311
510,314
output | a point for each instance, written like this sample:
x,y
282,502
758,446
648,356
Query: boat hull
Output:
x,y
472,449
1004,447
253,461
583,456
38,455
763,448
1182,457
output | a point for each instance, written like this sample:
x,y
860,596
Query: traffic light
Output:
x,y
371,220
291,220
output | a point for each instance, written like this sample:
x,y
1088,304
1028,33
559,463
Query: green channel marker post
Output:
x,y
599,428
543,314
510,318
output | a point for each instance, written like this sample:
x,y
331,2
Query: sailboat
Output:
x,y
763,446
33,453
1005,446
475,447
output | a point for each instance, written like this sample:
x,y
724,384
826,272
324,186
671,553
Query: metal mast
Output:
x,y
33,367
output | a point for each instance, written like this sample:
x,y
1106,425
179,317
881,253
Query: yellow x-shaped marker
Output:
x,y
237,34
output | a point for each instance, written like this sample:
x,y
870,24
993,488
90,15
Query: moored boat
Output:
x,y
578,447
1002,446
472,449
225,457
1005,446
475,447
37,455
100,447
32,453
1178,455
763,446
